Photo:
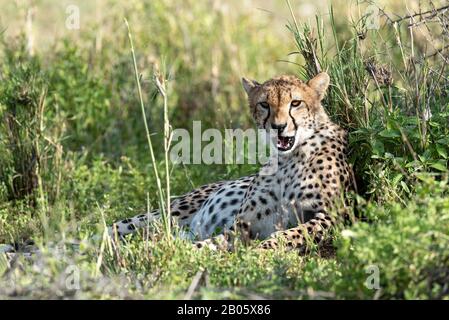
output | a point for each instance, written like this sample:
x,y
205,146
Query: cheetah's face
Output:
x,y
288,105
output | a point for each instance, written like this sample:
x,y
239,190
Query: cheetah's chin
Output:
x,y
285,143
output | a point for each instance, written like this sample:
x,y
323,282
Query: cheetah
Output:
x,y
291,206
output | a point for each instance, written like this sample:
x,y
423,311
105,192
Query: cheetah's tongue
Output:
x,y
284,143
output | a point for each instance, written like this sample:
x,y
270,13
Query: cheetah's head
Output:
x,y
288,105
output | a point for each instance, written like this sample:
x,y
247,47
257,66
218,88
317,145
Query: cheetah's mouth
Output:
x,y
285,143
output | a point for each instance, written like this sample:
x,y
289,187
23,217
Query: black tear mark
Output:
x,y
293,119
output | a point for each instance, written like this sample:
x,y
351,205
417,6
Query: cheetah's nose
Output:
x,y
279,127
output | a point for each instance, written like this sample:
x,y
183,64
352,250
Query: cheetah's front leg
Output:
x,y
296,238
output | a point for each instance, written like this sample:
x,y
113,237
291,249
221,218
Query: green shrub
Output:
x,y
408,244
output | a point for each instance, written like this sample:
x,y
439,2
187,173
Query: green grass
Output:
x,y
74,152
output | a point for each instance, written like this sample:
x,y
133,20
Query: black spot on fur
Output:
x,y
234,202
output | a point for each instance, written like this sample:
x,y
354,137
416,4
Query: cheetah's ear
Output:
x,y
320,83
249,84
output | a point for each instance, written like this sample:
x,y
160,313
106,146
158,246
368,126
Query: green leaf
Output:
x,y
443,141
441,151
440,165
378,147
405,187
422,158
397,178
413,163
390,133
434,124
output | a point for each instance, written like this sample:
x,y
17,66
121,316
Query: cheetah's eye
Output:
x,y
264,105
295,103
